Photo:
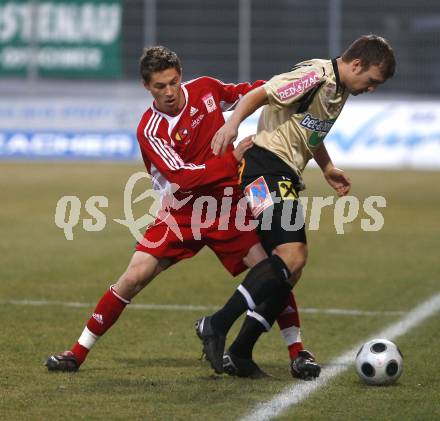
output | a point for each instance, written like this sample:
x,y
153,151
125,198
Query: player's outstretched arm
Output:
x,y
334,176
229,131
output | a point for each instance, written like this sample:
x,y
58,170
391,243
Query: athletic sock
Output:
x,y
249,333
294,349
104,316
262,281
289,323
259,321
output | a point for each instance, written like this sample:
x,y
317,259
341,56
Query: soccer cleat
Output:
x,y
242,367
213,343
65,361
304,366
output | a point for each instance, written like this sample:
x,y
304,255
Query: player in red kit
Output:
x,y
175,135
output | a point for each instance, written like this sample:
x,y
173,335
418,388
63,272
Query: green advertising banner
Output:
x,y
79,38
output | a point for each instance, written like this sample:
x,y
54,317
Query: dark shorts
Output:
x,y
271,188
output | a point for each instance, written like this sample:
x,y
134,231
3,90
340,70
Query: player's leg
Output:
x,y
290,246
160,247
302,362
283,308
265,278
236,250
261,319
290,326
262,281
142,268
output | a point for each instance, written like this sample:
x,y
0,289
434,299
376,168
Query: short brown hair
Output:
x,y
156,59
372,50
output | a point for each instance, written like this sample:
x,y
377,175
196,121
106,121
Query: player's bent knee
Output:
x,y
140,272
295,277
129,285
294,256
255,255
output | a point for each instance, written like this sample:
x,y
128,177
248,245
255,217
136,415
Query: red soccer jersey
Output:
x,y
177,149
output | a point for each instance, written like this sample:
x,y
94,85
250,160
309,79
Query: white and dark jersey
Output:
x,y
303,105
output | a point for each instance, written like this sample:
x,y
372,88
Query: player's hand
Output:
x,y
242,147
338,180
224,136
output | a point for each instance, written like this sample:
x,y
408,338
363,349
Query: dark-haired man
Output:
x,y
300,108
174,135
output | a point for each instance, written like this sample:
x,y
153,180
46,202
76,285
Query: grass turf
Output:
x,y
147,367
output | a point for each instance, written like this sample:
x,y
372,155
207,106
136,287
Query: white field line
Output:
x,y
182,307
298,392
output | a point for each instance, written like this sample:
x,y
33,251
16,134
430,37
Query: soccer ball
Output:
x,y
379,362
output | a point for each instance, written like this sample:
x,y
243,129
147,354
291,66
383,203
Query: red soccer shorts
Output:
x,y
182,233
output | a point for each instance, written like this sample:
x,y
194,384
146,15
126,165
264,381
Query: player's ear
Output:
x,y
356,65
146,86
180,75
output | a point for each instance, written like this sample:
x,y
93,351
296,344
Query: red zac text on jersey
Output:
x,y
299,86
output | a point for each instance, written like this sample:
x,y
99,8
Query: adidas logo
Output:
x,y
288,310
98,318
193,111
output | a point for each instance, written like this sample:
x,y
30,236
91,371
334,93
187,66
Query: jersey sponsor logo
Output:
x,y
299,86
181,134
197,121
193,111
209,103
287,191
316,138
315,124
258,196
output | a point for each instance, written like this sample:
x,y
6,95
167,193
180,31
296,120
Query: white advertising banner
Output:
x,y
382,134
368,134
387,135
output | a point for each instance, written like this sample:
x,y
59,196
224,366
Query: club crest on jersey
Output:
x,y
181,134
209,103
258,195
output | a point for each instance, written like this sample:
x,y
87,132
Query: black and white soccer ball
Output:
x,y
379,362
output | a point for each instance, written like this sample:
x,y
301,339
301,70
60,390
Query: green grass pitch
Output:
x,y
147,367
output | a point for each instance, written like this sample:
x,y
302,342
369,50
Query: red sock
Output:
x,y
289,324
294,349
80,352
104,316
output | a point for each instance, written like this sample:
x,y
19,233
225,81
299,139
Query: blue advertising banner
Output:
x,y
68,145
365,135
68,128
